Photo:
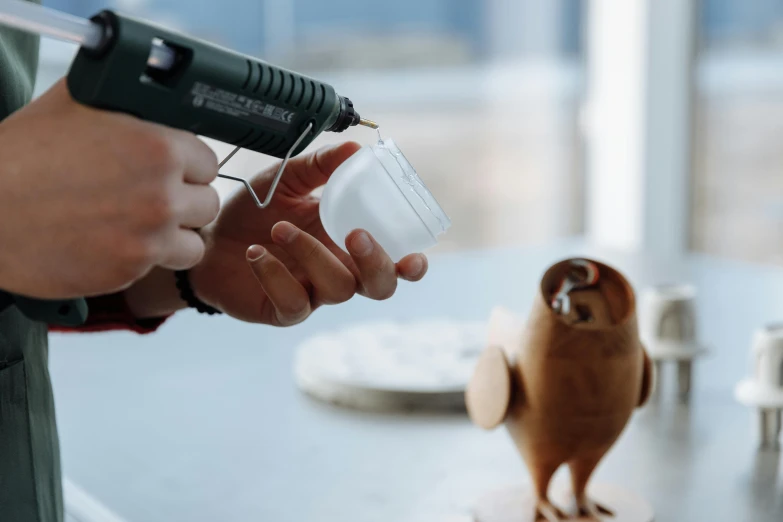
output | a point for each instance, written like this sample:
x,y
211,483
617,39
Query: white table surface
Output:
x,y
201,421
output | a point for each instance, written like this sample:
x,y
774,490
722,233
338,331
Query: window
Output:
x,y
738,159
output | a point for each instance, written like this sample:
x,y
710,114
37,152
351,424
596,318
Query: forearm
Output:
x,y
156,295
112,312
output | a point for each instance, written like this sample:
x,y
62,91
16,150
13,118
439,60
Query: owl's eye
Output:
x,y
583,274
583,313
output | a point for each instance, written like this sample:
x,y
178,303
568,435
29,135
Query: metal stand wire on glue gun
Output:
x,y
131,66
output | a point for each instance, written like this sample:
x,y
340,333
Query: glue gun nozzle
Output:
x,y
368,123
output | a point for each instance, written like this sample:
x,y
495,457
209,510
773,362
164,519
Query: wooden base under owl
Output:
x,y
565,388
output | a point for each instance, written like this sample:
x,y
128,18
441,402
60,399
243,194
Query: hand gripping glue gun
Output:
x,y
132,66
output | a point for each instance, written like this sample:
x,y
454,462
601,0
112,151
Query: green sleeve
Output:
x,y
18,65
30,473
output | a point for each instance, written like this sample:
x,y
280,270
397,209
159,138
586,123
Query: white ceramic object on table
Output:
x,y
669,330
764,388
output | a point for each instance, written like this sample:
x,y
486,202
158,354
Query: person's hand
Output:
x,y
91,200
294,267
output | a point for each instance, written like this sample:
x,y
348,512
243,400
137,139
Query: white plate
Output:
x,y
382,365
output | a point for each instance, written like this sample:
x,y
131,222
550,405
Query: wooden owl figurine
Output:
x,y
567,384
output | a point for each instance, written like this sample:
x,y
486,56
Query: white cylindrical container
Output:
x,y
667,313
378,190
764,389
768,355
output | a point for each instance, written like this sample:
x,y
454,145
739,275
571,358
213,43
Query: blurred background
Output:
x,y
485,97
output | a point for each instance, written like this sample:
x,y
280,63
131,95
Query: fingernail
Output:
x,y
361,244
416,266
255,252
286,232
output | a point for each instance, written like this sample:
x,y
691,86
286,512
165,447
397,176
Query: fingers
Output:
x,y
306,173
287,295
196,205
332,281
182,249
412,267
201,164
378,274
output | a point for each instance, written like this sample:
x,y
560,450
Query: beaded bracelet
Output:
x,y
187,295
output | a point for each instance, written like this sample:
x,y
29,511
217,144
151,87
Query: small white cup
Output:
x,y
379,191
768,357
667,313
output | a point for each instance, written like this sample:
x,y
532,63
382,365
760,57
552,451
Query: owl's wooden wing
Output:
x,y
488,393
648,379
504,329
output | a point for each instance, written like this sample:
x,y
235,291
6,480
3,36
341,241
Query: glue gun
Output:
x,y
134,67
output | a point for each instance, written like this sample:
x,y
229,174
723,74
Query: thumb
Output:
x,y
254,253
